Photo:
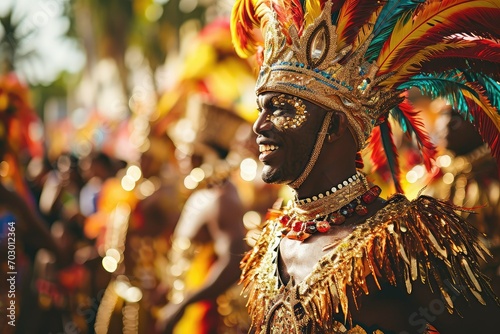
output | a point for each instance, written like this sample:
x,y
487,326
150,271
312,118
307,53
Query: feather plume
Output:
x,y
414,65
245,16
487,130
412,124
377,154
436,20
475,56
490,85
469,98
297,13
384,152
476,93
313,10
353,15
446,85
479,56
386,20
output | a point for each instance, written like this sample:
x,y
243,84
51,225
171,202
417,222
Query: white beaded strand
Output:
x,y
341,185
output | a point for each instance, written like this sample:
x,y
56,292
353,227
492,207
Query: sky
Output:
x,y
56,52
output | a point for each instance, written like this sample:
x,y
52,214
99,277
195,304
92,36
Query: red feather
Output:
x,y
243,22
353,15
435,21
378,157
418,128
481,55
297,13
486,128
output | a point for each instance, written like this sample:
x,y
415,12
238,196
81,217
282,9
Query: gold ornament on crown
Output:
x,y
312,68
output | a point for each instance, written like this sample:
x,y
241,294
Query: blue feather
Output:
x,y
401,119
492,87
448,85
393,10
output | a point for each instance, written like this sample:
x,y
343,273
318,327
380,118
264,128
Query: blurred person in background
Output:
x,y
23,233
136,214
208,241
100,168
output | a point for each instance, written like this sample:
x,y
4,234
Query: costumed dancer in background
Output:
x,y
133,226
20,225
208,243
339,258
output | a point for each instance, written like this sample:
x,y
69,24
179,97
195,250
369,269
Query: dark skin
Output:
x,y
210,215
391,309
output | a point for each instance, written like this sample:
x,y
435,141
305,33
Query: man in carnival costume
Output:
x,y
338,258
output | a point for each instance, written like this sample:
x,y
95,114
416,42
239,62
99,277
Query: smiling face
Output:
x,y
287,128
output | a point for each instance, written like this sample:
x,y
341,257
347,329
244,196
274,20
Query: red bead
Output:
x,y
337,219
376,190
361,210
323,226
372,194
284,220
297,226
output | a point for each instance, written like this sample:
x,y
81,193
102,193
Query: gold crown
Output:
x,y
312,68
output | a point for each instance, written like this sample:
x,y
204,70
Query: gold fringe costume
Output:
x,y
404,241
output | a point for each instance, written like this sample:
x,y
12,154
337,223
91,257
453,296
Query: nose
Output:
x,y
262,123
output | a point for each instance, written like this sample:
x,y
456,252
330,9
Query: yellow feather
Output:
x,y
489,110
367,29
412,65
313,10
244,37
410,32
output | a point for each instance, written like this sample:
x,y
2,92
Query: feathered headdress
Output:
x,y
361,56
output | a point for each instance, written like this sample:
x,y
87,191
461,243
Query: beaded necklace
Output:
x,y
320,213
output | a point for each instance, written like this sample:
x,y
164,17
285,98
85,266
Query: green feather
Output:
x,y
389,15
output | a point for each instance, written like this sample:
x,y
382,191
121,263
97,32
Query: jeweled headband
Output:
x,y
361,56
311,68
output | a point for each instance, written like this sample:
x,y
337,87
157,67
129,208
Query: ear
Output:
x,y
338,125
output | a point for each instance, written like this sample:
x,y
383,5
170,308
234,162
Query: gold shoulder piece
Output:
x,y
442,247
423,239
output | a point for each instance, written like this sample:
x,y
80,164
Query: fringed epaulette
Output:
x,y
406,240
259,276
